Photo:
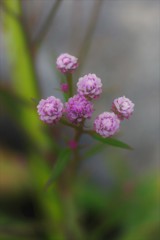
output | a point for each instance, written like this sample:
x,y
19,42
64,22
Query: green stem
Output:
x,y
76,155
70,83
64,122
67,181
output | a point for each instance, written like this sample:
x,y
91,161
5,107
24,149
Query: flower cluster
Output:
x,y
79,107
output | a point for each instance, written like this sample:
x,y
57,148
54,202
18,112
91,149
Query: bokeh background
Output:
x,y
116,191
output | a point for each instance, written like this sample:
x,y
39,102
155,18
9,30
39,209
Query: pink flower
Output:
x,y
66,63
106,124
50,110
72,144
64,87
89,86
123,107
78,108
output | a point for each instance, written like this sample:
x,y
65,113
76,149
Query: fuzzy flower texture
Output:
x,y
50,110
79,107
89,86
107,124
123,107
67,63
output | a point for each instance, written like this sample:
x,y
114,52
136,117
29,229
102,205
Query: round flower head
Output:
x,y
89,86
107,124
78,108
50,110
64,87
66,63
72,144
123,107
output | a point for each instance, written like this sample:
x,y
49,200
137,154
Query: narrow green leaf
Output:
x,y
94,150
111,141
22,70
61,163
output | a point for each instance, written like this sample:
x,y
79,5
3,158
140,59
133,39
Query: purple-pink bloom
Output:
x,y
123,107
78,108
72,144
106,124
64,87
89,86
50,110
67,63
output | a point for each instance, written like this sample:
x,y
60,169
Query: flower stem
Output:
x,y
70,83
76,155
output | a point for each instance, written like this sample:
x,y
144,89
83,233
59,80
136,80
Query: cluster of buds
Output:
x,y
79,107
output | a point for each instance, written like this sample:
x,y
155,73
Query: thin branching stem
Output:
x,y
76,154
76,127
44,28
70,83
85,46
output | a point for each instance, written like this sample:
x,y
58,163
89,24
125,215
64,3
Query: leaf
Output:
x,y
60,165
94,150
111,141
24,81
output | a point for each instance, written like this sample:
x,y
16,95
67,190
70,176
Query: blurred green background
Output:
x,y
114,194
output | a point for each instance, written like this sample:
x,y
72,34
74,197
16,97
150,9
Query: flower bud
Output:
x,y
78,108
106,124
89,86
66,63
123,107
50,110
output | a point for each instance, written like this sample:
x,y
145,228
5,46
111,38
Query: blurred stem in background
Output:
x,y
25,85
86,43
23,73
43,29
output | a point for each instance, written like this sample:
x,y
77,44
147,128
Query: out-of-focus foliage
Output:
x,y
129,209
24,80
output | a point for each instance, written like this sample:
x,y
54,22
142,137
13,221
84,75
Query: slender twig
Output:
x,y
76,155
76,127
70,83
85,46
63,121
44,28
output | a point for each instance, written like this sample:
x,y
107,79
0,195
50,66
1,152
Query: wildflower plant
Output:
x,y
78,107
73,209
